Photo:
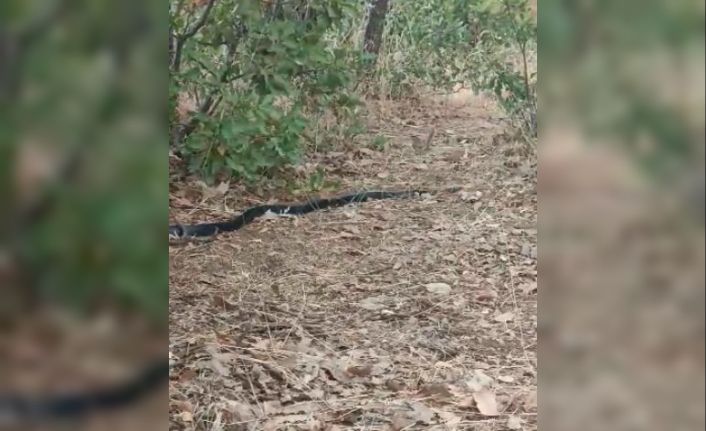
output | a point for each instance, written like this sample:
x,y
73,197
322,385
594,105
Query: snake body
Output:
x,y
202,230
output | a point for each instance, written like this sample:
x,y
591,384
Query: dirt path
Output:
x,y
410,314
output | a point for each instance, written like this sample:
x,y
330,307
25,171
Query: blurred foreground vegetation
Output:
x,y
83,94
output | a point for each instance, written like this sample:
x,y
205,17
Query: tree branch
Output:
x,y
200,22
183,130
180,39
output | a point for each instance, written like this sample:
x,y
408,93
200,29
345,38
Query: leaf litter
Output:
x,y
394,315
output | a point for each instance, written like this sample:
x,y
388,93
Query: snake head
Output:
x,y
176,232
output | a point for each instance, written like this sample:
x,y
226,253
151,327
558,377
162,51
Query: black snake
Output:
x,y
20,409
204,230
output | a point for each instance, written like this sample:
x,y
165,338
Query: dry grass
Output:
x,y
409,314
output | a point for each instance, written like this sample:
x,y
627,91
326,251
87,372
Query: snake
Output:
x,y
210,229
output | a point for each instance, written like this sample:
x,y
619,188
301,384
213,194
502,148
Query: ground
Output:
x,y
388,315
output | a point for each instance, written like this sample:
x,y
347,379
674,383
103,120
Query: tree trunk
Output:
x,y
375,27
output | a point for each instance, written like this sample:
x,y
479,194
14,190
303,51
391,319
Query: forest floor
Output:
x,y
388,315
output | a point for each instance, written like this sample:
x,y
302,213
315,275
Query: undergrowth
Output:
x,y
257,84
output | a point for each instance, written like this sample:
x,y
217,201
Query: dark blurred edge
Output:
x,y
83,97
621,231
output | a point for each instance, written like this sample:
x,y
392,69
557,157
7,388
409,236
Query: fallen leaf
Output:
x,y
186,416
373,303
487,295
486,403
214,192
334,371
222,304
187,375
359,370
436,390
465,401
394,385
449,419
400,421
279,422
352,229
421,412
241,411
530,403
528,288
217,361
184,406
479,381
526,250
514,423
438,288
504,317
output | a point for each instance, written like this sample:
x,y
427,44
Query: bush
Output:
x,y
489,44
255,68
257,75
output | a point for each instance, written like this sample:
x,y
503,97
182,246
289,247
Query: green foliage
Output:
x,y
503,57
90,84
263,76
630,71
490,44
380,142
266,66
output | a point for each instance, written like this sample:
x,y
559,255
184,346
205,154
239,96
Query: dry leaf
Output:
x,y
514,423
278,422
470,196
373,303
487,295
421,412
528,288
486,403
186,417
400,421
449,419
241,411
436,390
530,403
217,361
504,317
222,304
479,381
438,288
334,371
394,385
214,192
359,370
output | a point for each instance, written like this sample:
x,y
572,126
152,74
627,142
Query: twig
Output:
x,y
180,39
